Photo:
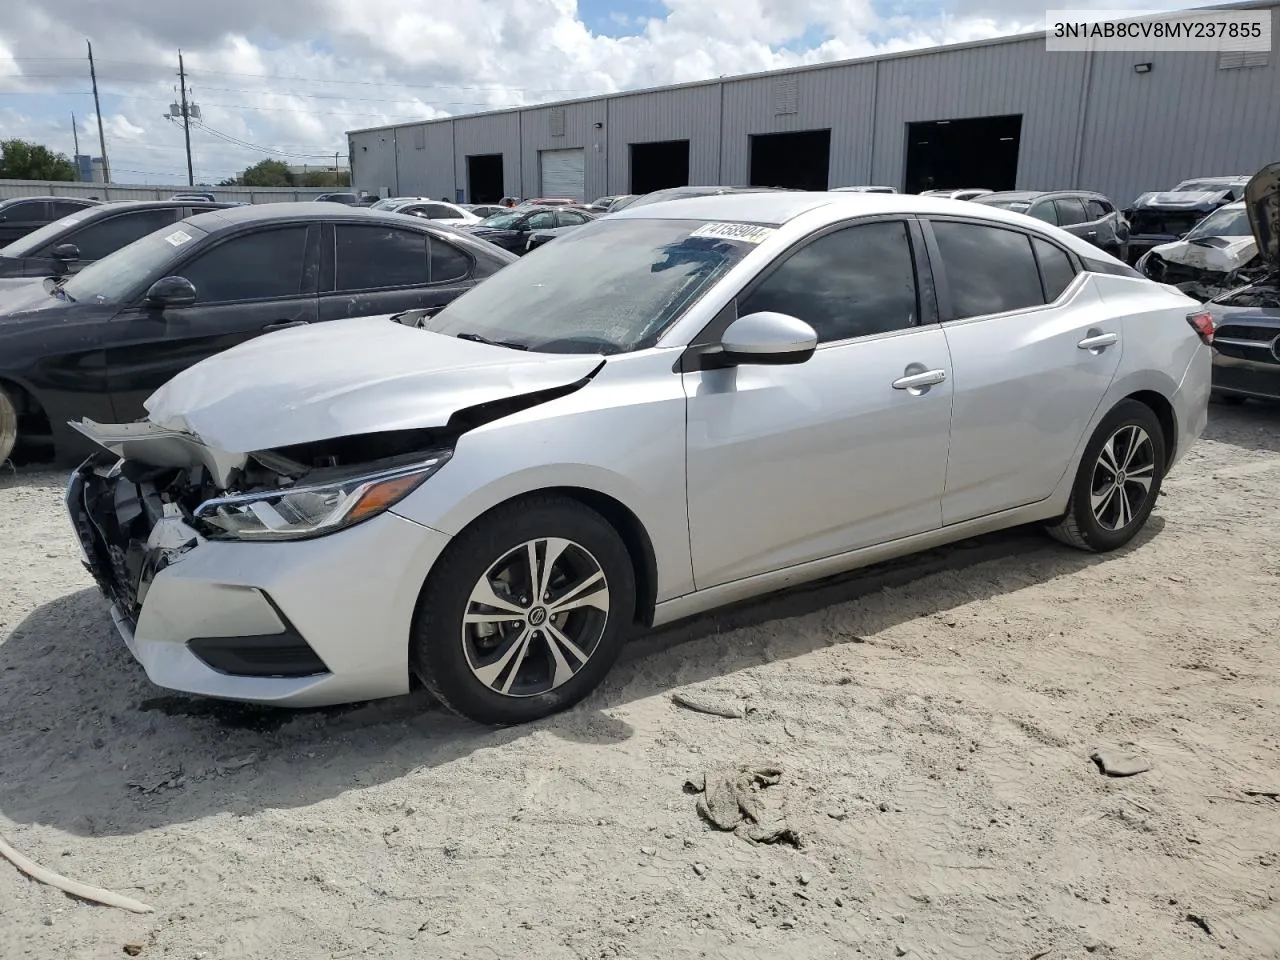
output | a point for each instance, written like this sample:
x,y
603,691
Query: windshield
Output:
x,y
611,286
502,221
1223,223
1202,186
28,245
113,277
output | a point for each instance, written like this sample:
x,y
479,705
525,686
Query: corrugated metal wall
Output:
x,y
425,160
563,128
1088,120
373,160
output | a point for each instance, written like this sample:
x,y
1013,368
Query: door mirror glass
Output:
x,y
768,338
171,292
66,252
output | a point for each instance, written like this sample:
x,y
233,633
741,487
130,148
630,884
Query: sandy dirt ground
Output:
x,y
934,720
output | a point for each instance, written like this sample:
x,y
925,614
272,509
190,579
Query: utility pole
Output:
x,y
102,137
186,118
75,134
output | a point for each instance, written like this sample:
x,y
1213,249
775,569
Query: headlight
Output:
x,y
297,513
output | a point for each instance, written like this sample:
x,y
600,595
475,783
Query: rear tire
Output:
x,y
525,612
8,425
1118,480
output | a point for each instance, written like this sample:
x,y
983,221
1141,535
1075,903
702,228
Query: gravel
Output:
x,y
934,719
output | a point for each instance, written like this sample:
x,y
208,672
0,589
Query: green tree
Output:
x,y
324,178
268,173
23,160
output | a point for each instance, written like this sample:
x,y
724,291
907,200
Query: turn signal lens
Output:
x,y
1202,323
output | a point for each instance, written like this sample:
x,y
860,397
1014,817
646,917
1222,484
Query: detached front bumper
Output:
x,y
295,624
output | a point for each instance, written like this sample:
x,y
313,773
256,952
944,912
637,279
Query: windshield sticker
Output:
x,y
742,232
178,238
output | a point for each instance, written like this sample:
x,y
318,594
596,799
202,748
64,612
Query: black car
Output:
x,y
1090,216
1163,217
1246,335
22,215
89,234
538,238
98,344
511,230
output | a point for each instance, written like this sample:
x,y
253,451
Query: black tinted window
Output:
x,y
988,270
1096,209
1056,271
1070,211
447,262
64,208
1044,210
570,218
542,220
438,211
98,239
253,267
851,283
27,211
374,257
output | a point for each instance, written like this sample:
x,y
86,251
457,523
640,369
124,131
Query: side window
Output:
x,y
98,239
370,258
27,212
989,270
851,283
447,262
254,267
1096,209
542,220
1070,211
1056,271
438,211
1044,210
571,218
64,208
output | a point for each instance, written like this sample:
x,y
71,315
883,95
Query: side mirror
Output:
x,y
766,338
65,252
171,292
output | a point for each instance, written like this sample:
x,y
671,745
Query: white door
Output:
x,y
793,463
563,173
1033,352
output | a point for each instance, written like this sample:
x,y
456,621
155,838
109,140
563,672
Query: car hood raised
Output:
x,y
1182,199
347,377
1262,203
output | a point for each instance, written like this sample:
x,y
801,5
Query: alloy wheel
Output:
x,y
535,617
1122,477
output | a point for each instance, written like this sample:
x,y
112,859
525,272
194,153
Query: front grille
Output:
x,y
1162,223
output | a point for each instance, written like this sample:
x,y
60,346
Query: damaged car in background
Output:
x,y
1165,216
494,497
1246,341
1218,255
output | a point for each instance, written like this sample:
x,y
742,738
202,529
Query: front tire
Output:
x,y
525,612
1118,480
8,425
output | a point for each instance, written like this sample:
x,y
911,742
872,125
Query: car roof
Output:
x,y
113,207
86,200
1237,179
229,218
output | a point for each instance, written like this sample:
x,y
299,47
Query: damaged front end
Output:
x,y
1205,268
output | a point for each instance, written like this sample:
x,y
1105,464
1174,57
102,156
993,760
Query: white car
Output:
x,y
870,189
1218,254
965,193
437,211
676,407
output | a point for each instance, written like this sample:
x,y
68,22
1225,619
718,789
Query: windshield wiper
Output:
x,y
476,338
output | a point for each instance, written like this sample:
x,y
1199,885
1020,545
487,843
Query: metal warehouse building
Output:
x,y
1001,113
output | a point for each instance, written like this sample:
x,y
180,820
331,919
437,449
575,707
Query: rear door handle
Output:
x,y
284,325
918,381
1098,341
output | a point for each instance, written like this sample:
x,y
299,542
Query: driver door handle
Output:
x,y
284,325
915,381
1098,341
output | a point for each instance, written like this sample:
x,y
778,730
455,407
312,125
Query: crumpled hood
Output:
x,y
1181,199
1262,203
347,377
1217,254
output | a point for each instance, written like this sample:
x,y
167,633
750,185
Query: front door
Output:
x,y
247,285
380,269
1033,352
787,464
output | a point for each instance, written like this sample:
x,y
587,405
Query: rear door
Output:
x,y
246,285
375,269
1104,220
1033,351
19,219
1073,219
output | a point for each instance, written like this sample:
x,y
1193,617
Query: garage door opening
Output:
x,y
657,166
563,174
951,154
484,177
801,161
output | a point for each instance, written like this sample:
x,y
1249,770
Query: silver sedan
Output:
x,y
677,407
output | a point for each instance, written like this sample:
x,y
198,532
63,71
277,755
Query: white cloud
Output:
x,y
260,75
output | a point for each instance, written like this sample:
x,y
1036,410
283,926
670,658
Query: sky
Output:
x,y
285,79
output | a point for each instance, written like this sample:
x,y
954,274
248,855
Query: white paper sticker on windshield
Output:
x,y
178,238
743,232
